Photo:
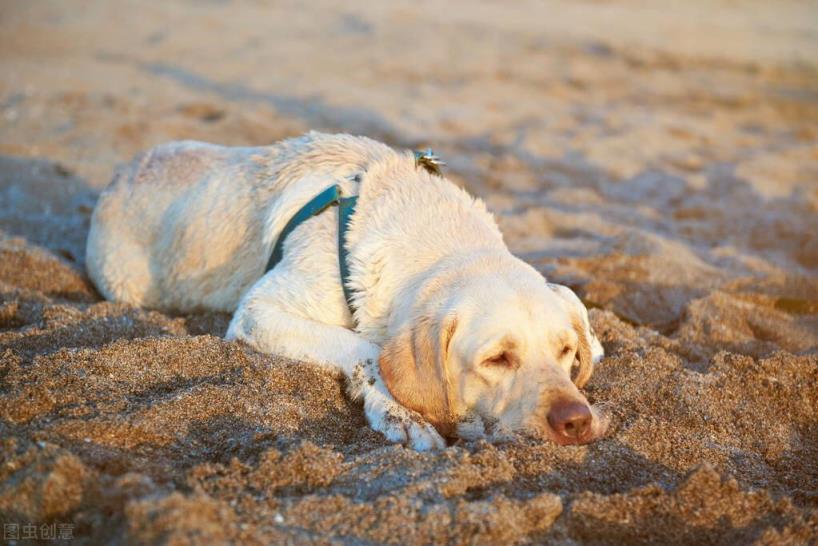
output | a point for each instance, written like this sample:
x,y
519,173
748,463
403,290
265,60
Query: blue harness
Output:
x,y
346,207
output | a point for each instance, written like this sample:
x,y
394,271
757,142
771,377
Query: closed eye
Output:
x,y
506,359
566,351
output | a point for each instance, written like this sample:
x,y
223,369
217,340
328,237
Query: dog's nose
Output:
x,y
570,420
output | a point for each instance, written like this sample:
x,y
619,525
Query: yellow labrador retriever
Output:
x,y
441,331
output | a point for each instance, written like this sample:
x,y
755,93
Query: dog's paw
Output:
x,y
401,425
473,427
385,415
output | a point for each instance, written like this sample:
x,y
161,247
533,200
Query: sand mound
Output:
x,y
139,427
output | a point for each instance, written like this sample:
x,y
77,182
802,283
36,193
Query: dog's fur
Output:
x,y
451,332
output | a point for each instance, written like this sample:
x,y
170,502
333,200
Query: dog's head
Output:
x,y
503,347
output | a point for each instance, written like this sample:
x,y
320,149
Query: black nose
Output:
x,y
571,420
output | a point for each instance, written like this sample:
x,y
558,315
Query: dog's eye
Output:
x,y
505,359
565,351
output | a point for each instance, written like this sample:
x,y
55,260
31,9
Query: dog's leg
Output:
x,y
271,330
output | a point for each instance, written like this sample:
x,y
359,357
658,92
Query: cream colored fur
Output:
x,y
190,226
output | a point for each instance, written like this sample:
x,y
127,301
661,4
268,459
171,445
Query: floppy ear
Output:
x,y
586,362
414,368
589,349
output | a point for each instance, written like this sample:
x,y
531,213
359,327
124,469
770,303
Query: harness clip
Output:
x,y
430,162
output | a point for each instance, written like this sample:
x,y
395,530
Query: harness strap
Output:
x,y
318,204
346,208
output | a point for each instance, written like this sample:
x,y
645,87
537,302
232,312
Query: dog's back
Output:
x,y
179,228
189,225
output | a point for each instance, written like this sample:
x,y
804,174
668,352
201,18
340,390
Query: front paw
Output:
x,y
472,426
401,425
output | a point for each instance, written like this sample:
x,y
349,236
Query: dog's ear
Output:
x,y
589,349
414,367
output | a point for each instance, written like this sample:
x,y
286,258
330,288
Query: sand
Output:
x,y
661,161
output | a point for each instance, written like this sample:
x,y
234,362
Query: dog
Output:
x,y
439,329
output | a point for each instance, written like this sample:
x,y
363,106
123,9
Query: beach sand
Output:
x,y
660,160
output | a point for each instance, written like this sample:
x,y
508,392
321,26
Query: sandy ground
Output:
x,y
661,159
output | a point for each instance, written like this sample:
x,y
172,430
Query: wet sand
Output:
x,y
661,162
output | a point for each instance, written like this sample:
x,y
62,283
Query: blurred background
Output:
x,y
646,153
